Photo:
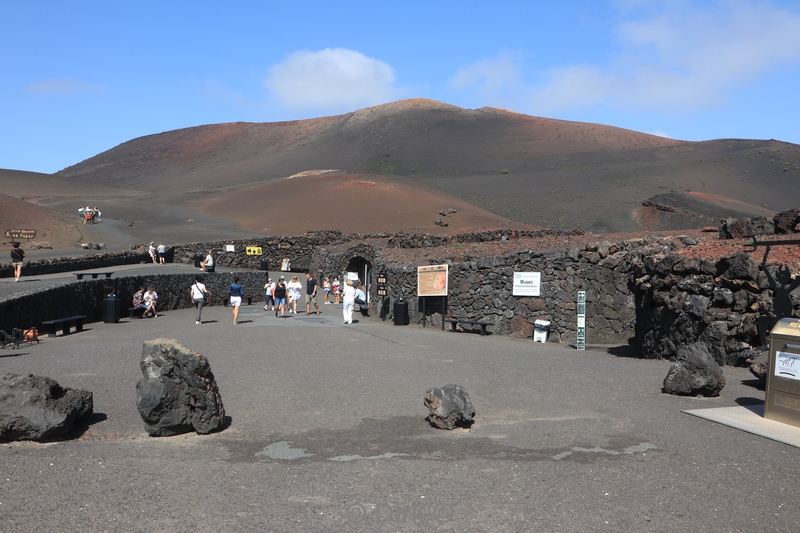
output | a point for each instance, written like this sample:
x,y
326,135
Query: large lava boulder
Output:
x,y
449,407
178,393
694,372
38,408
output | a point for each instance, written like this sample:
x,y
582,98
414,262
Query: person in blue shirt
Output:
x,y
235,293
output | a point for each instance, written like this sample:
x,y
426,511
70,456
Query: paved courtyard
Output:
x,y
327,433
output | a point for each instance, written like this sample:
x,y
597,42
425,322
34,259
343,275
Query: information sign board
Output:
x,y
581,344
432,280
527,284
20,233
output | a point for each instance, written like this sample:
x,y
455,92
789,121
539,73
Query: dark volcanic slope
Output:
x,y
534,170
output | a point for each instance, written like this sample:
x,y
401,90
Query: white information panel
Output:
x,y
787,365
581,344
527,284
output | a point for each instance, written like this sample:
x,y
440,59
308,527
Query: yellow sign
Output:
x,y
20,233
253,250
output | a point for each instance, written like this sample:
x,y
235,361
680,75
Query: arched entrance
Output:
x,y
361,267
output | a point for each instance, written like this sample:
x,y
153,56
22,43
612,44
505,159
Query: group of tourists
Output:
x,y
144,302
157,253
89,214
282,296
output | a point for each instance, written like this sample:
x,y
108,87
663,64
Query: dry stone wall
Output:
x,y
638,291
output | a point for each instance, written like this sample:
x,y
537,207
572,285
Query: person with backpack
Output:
x,y
199,294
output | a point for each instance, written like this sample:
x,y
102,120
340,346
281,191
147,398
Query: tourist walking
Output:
x,y
311,293
348,297
152,250
268,298
335,289
17,256
279,296
295,289
199,295
326,290
161,251
235,294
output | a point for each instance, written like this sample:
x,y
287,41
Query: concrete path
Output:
x,y
328,434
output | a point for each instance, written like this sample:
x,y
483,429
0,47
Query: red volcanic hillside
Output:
x,y
496,168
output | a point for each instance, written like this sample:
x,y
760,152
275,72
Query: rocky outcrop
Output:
x,y
178,393
38,408
449,407
694,373
739,228
682,300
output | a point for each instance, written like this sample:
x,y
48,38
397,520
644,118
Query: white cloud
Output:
x,y
489,75
676,57
333,79
63,86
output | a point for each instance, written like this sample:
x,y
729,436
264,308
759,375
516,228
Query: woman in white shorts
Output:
x,y
235,293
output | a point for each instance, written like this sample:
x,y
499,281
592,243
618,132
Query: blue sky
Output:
x,y
78,78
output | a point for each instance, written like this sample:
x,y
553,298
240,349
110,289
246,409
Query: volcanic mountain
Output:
x,y
415,166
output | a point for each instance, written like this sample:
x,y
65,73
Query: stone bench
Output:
x,y
94,275
52,325
454,321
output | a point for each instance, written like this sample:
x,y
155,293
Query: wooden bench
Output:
x,y
454,321
52,325
93,274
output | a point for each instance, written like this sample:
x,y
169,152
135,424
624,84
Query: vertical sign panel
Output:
x,y
581,320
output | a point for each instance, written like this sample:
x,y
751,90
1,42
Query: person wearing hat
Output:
x,y
279,296
295,293
268,299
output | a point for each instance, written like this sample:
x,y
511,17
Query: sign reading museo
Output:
x,y
527,283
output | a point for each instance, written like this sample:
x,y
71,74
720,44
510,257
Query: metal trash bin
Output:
x,y
264,265
540,330
400,312
198,258
782,399
111,309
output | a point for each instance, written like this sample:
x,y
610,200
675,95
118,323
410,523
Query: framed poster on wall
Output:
x,y
432,280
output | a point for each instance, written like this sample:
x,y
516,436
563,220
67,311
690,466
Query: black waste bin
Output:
x,y
198,258
111,309
264,265
400,312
